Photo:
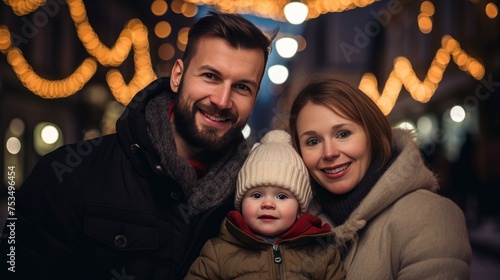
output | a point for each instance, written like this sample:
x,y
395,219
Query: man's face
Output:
x,y
217,93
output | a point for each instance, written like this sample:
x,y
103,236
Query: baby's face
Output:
x,y
269,210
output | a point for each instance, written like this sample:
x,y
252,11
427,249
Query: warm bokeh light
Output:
x,y
427,8
166,51
424,23
189,9
159,7
176,6
491,10
424,19
182,36
163,29
5,42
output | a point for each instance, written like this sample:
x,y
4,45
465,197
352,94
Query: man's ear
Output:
x,y
176,75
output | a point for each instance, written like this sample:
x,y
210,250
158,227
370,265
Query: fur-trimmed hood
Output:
x,y
406,174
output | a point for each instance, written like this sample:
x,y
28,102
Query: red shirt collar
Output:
x,y
305,225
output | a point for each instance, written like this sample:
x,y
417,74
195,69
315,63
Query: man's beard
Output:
x,y
206,137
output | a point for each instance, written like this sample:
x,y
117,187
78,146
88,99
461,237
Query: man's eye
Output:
x,y
209,75
243,87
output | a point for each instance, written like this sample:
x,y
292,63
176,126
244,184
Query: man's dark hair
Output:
x,y
235,29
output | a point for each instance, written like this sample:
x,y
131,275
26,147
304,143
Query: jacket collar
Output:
x,y
306,226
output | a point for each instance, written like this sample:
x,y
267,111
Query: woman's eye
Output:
x,y
312,142
343,134
281,196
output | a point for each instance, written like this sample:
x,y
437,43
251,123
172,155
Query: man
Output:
x,y
141,203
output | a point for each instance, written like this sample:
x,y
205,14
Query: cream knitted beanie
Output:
x,y
275,162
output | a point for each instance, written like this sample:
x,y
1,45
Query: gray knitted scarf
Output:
x,y
216,185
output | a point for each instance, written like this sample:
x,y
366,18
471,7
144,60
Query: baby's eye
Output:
x,y
256,195
281,196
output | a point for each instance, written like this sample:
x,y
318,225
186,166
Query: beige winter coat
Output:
x,y
403,229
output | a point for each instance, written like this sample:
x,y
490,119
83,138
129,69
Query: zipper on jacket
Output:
x,y
277,260
277,254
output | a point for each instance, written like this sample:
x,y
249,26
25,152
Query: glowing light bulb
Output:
x,y
287,47
296,12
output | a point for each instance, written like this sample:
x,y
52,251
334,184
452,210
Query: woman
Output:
x,y
373,185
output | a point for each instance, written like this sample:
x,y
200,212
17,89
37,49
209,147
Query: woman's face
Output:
x,y
334,149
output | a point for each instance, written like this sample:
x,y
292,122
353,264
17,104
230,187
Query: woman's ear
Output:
x,y
176,75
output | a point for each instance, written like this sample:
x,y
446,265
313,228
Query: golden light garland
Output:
x,y
404,75
424,19
47,88
134,36
273,9
23,7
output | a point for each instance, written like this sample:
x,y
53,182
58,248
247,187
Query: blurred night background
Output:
x,y
67,68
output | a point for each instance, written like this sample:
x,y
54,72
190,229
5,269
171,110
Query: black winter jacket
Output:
x,y
104,209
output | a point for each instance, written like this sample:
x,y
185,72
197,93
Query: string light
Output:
x,y
274,9
23,7
134,37
48,88
422,91
425,17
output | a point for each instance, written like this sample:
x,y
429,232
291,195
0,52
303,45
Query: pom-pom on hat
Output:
x,y
274,162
